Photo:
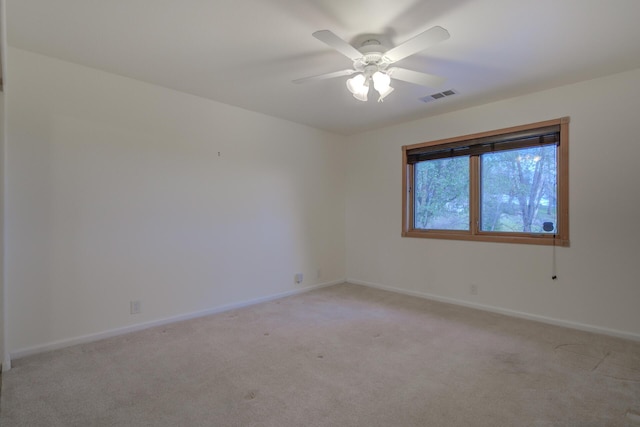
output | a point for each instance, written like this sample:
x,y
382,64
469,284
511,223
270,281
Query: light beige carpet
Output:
x,y
339,356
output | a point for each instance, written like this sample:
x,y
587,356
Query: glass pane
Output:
x,y
519,190
441,194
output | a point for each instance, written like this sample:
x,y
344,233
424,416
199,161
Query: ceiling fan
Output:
x,y
372,62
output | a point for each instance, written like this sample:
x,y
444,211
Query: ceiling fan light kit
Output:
x,y
371,63
360,84
359,87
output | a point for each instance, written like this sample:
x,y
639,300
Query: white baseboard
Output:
x,y
56,345
505,311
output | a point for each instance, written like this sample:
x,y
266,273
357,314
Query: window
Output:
x,y
508,185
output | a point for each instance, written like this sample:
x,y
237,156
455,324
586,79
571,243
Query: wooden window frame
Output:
x,y
561,238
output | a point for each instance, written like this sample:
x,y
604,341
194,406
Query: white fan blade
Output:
x,y
325,76
420,42
338,44
415,77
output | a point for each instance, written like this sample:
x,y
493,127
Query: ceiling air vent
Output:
x,y
439,95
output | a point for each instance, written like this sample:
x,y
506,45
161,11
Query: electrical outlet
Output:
x,y
298,278
473,289
318,273
135,306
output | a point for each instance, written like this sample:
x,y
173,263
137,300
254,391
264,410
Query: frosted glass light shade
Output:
x,y
356,84
385,93
381,81
358,87
362,96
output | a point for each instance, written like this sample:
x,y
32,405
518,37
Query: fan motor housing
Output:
x,y
372,47
368,43
373,59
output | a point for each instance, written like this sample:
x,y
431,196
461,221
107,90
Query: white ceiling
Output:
x,y
247,52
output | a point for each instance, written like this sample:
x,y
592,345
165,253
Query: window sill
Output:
x,y
521,238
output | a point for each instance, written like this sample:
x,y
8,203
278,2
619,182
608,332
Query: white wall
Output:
x,y
598,284
116,192
4,355
4,359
